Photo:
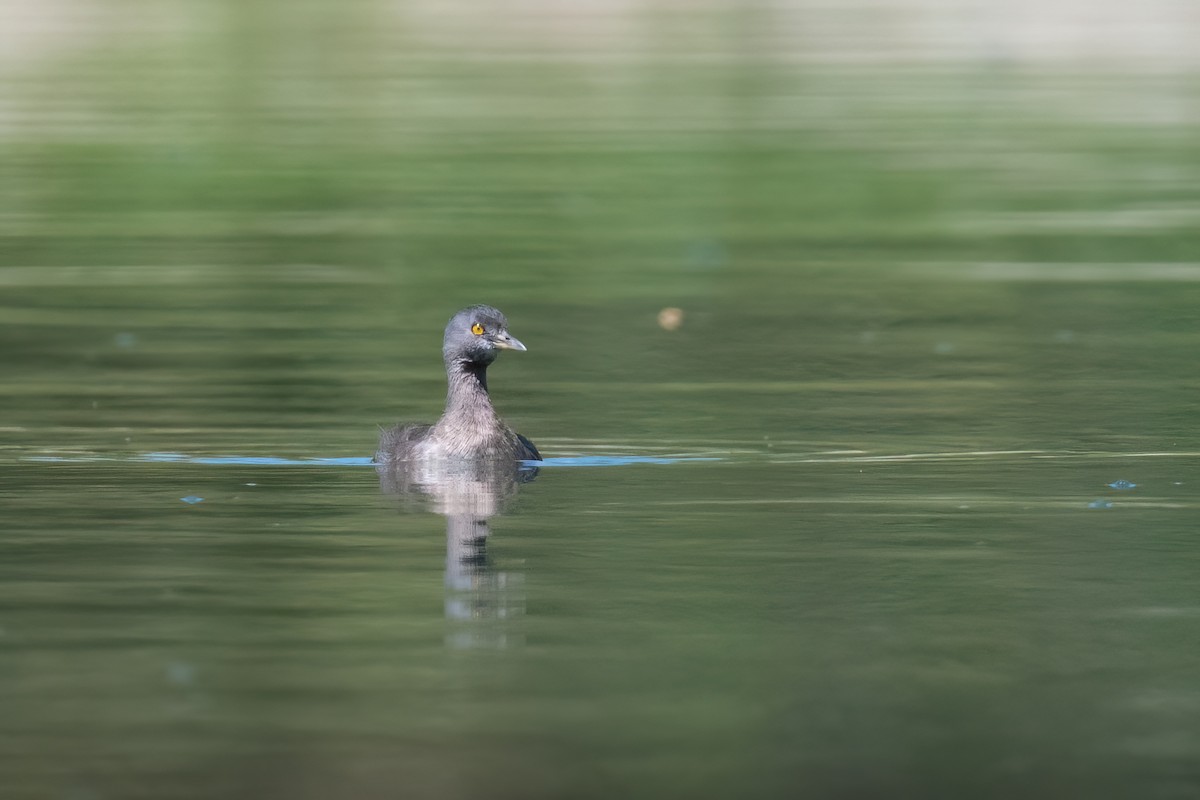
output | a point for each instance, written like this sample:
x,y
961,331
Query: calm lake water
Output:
x,y
905,507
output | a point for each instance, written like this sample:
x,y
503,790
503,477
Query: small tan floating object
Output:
x,y
669,319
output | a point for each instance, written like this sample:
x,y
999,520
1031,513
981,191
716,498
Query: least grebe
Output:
x,y
470,426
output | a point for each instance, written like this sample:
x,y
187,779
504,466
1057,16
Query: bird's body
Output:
x,y
469,428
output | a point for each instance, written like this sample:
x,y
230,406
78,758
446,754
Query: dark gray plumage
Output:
x,y
470,426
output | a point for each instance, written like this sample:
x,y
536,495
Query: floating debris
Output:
x,y
1122,485
192,499
669,319
1101,503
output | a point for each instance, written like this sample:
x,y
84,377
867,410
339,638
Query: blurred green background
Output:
x,y
811,184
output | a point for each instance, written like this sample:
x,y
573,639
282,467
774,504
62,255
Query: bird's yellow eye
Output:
x,y
477,329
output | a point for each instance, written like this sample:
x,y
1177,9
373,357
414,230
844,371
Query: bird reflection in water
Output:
x,y
482,604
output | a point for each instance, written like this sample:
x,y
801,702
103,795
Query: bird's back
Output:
x,y
407,442
529,451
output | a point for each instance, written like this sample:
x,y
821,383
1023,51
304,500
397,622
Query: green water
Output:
x,y
929,315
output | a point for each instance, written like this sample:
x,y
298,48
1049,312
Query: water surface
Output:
x,y
855,528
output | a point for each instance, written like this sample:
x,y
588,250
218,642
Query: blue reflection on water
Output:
x,y
251,461
573,461
363,461
613,461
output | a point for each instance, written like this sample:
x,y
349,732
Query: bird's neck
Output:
x,y
467,394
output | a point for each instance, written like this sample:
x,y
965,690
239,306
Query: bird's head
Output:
x,y
476,335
